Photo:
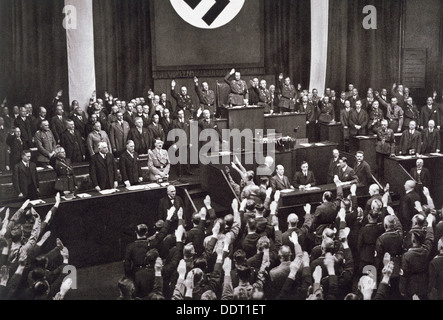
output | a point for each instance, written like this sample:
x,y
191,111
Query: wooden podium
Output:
x,y
332,132
251,117
285,123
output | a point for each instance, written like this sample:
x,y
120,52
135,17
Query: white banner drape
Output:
x,y
80,43
319,44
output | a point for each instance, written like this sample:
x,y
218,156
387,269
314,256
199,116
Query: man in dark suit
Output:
x,y
166,104
407,205
398,92
363,170
25,179
302,232
324,214
73,143
429,112
333,166
340,103
142,138
9,121
410,142
128,115
304,178
207,123
118,135
155,129
385,146
80,122
170,200
184,126
430,139
37,121
307,107
421,175
167,124
354,98
280,181
24,123
346,174
358,120
102,169
130,169
58,123
411,113
16,146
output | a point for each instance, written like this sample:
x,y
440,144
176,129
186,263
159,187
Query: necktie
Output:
x,y
418,176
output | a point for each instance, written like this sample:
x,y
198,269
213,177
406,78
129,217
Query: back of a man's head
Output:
x,y
196,218
239,258
292,220
418,220
243,273
327,196
126,287
151,256
252,225
229,221
263,243
141,230
284,253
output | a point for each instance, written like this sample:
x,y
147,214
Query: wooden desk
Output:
x,y
285,123
251,117
332,132
96,230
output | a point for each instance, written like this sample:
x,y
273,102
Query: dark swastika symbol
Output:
x,y
213,13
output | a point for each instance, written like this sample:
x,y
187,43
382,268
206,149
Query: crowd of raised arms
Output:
x,y
335,251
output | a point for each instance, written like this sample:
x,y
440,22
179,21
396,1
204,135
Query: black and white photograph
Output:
x,y
248,152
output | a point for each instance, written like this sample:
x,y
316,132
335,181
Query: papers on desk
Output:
x,y
436,154
312,189
40,169
320,144
404,157
305,144
67,198
35,202
109,191
364,137
153,185
287,190
136,188
165,184
84,195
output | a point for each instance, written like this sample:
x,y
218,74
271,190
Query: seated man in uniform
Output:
x,y
239,95
304,178
158,162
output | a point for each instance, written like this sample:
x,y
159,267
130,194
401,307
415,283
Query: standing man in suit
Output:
x,y
183,100
354,98
411,113
102,169
16,146
73,143
358,120
158,162
310,110
206,97
407,205
25,179
430,139
429,112
346,174
385,146
393,112
398,92
167,124
304,178
333,166
239,89
182,124
421,175
4,149
375,117
58,123
45,142
129,167
141,137
363,170
410,142
280,181
167,202
156,130
38,120
345,115
165,103
95,137
24,123
80,122
128,115
119,135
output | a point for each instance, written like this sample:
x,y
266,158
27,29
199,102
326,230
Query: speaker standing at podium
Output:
x,y
239,89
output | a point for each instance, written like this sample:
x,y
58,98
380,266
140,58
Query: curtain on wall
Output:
x,y
366,58
287,27
33,63
122,49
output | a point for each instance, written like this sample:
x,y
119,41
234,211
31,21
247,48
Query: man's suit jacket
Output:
x,y
118,135
407,209
249,244
80,124
280,184
167,126
156,131
431,141
103,172
311,111
347,175
129,119
301,180
74,145
165,204
23,177
130,169
425,176
142,141
426,115
358,118
94,138
16,147
354,101
25,128
324,214
363,172
409,142
185,126
204,124
58,127
332,170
